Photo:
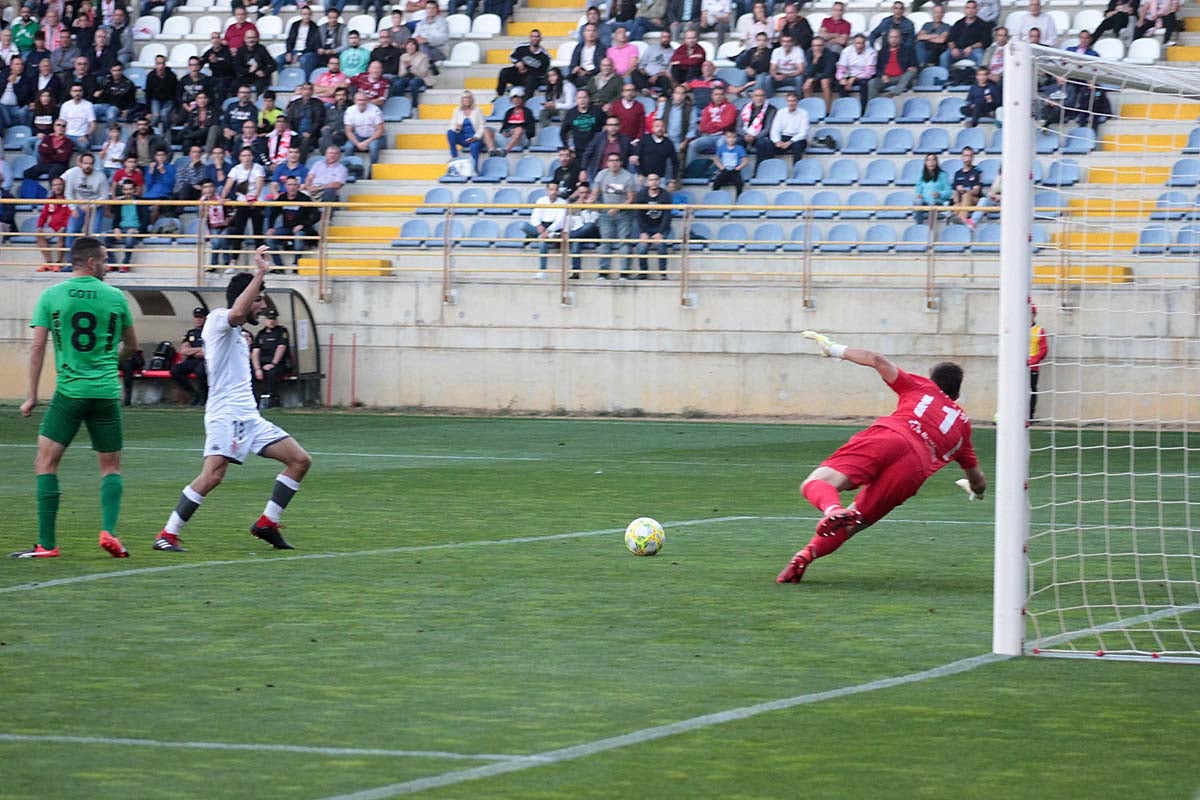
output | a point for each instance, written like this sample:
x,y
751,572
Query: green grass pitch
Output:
x,y
454,649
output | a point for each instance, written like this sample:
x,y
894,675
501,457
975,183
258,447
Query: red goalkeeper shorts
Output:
x,y
884,464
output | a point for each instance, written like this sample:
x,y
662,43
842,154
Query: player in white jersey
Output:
x,y
233,428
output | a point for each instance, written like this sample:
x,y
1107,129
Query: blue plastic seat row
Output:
x,y
1157,240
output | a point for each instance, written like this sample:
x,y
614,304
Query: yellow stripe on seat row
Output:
x,y
1130,175
1098,273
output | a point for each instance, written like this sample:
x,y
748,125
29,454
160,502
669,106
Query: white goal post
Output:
x,y
1097,537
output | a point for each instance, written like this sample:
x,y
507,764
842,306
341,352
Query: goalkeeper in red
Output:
x,y
891,458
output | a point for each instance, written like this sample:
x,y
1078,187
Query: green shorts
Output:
x,y
102,417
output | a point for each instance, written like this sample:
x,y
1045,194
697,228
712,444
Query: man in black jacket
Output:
x,y
389,51
101,55
530,63
250,140
192,84
820,72
654,223
23,86
895,69
252,64
306,117
161,87
303,39
82,75
116,94
293,227
655,154
968,38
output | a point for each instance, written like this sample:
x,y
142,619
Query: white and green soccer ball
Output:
x,y
644,537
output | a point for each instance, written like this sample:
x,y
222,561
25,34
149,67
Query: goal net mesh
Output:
x,y
1113,553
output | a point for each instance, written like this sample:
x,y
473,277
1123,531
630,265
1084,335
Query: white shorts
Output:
x,y
238,438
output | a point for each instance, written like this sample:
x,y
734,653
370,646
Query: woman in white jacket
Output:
x,y
467,129
560,97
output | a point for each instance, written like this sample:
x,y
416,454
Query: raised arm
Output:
x,y
856,355
240,309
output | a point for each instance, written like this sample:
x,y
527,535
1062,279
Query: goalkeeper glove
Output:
x,y
965,485
829,348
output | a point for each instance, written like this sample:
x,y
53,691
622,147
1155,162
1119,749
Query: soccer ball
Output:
x,y
644,537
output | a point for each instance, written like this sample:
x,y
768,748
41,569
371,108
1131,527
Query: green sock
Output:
x,y
111,487
47,508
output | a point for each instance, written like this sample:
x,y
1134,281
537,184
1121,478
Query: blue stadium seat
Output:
x,y
1185,172
931,79
535,195
751,203
879,111
987,238
312,76
789,197
897,142
287,80
1045,142
1045,201
1187,241
495,169
933,140
1171,205
861,141
500,107
21,163
953,239
915,239
1038,171
880,172
768,238
356,167
729,239
514,236
815,149
1080,142
845,111
841,238
843,172
698,172
457,231
435,201
1152,241
413,233
731,75
505,195
717,197
137,76
989,168
27,228
910,172
1040,237
798,242
825,198
806,172
1064,173
860,203
484,233
950,165
997,146
916,110
471,198
770,172
699,237
898,204
529,170
972,138
15,137
814,106
549,140
878,239
397,109
949,111
1193,142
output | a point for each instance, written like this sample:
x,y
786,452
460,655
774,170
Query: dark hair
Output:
x,y
948,376
926,175
85,247
237,285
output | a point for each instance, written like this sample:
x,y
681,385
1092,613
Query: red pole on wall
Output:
x,y
329,375
353,369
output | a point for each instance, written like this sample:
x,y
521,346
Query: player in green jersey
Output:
x,y
88,321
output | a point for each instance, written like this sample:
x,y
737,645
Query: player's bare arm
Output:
x,y
240,311
855,355
977,481
129,342
37,355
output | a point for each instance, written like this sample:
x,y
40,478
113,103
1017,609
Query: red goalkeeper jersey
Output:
x,y
936,427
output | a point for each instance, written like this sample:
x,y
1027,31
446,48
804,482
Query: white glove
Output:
x,y
829,348
965,485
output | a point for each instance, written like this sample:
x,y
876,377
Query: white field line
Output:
x,y
260,748
661,731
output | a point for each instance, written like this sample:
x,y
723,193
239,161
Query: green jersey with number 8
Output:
x,y
86,318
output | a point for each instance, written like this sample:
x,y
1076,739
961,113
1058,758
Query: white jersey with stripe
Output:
x,y
227,359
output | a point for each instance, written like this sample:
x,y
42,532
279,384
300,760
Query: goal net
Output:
x,y
1103,489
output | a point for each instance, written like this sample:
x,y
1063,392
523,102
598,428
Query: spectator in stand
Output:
x,y
53,30
748,28
160,181
1153,14
605,86
614,185
239,113
754,121
281,142
326,178
581,123
897,20
7,48
967,186
653,224
715,15
245,183
558,99
235,34
54,154
731,158
306,117
334,35
112,152
268,113
81,73
546,220
652,16
755,60
330,81
1084,46
432,34
624,56
983,98
193,83
216,223
793,25
528,66
37,54
989,11
701,88
518,126
932,38
933,188
24,28
334,132
292,227
129,171
856,67
161,88
52,225
388,52
630,113
17,93
203,125
566,177
84,185
217,169
686,60
787,68
654,66
416,73
144,143
41,123
969,37
165,8
62,58
993,58
131,221
116,95
717,117
623,13
303,42
364,128
603,29
1036,19
896,68
680,115
250,140
355,57
1116,17
583,228
373,84
46,80
835,30
253,64
585,61
655,153
189,176
219,60
293,167
788,134
820,72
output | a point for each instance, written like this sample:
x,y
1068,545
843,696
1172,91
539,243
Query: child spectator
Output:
x,y
731,159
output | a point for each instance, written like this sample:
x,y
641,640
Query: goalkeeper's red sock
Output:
x,y
824,545
821,494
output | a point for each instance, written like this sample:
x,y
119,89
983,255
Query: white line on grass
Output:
x,y
261,748
662,731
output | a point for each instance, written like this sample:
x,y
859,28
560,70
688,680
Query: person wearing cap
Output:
x,y
271,358
191,347
518,125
